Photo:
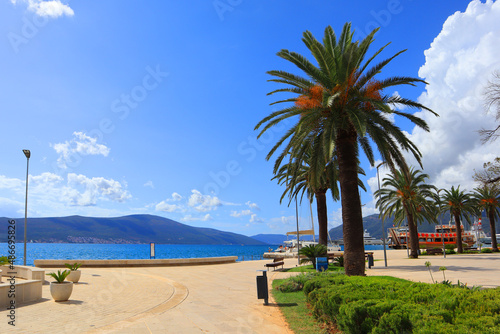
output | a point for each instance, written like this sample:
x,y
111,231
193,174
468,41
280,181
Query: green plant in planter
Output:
x,y
3,260
73,267
311,252
59,276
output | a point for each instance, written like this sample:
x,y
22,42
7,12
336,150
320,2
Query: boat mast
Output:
x,y
297,219
312,219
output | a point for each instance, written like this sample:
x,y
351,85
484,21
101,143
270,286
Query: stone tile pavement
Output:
x,y
207,298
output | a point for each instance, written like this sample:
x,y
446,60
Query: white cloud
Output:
x,y
458,65
84,191
165,207
149,184
47,8
70,152
241,213
176,197
252,206
9,183
255,219
51,194
189,218
203,203
11,208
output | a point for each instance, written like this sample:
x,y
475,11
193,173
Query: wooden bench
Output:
x,y
434,251
278,261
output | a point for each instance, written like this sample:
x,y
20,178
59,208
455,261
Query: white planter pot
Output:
x,y
61,291
74,276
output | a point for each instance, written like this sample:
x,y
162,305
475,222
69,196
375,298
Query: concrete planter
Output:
x,y
74,276
61,291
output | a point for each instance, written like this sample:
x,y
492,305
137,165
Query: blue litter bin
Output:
x,y
321,263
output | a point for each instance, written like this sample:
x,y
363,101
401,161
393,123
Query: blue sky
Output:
x,y
149,107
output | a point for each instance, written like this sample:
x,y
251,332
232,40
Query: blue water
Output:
x,y
43,251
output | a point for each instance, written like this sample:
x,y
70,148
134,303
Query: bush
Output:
x,y
295,283
3,260
311,252
386,305
486,250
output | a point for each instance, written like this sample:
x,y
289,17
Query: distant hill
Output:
x,y
373,224
127,229
271,239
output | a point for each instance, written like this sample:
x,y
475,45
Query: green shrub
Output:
x,y
59,276
3,260
311,252
73,267
338,261
486,250
387,305
295,283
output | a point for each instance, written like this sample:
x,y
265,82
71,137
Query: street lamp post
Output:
x,y
27,153
383,229
441,221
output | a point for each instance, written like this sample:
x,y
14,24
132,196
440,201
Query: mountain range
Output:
x,y
373,224
127,229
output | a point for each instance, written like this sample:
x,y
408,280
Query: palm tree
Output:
x,y
299,178
341,105
488,198
406,195
458,203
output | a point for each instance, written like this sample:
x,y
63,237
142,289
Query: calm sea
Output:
x,y
110,252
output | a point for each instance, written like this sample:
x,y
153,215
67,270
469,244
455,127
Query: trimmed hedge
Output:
x,y
387,305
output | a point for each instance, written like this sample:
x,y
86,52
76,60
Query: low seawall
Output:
x,y
137,263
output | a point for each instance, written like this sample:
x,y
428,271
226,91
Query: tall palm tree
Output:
x,y
459,203
300,178
406,195
488,198
340,104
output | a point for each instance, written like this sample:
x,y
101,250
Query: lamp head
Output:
x,y
27,153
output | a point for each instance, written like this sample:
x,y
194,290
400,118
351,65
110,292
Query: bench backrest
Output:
x,y
278,259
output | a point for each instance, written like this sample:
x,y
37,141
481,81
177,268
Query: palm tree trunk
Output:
x,y
322,216
352,219
459,233
491,217
413,231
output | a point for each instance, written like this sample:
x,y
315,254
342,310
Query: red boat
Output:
x,y
399,237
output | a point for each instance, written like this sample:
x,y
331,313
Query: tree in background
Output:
x,y
488,199
459,204
406,195
340,106
492,97
490,173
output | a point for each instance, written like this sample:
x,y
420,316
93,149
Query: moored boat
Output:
x,y
399,237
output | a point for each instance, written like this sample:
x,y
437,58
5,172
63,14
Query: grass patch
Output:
x,y
293,305
311,269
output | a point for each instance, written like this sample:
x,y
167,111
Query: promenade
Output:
x,y
206,298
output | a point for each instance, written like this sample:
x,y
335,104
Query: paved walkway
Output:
x,y
194,299
473,269
205,299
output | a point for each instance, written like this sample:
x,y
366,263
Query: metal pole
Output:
x,y
441,221
383,229
27,154
312,220
407,236
297,219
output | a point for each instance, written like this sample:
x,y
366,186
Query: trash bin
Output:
x,y
262,289
370,260
321,263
